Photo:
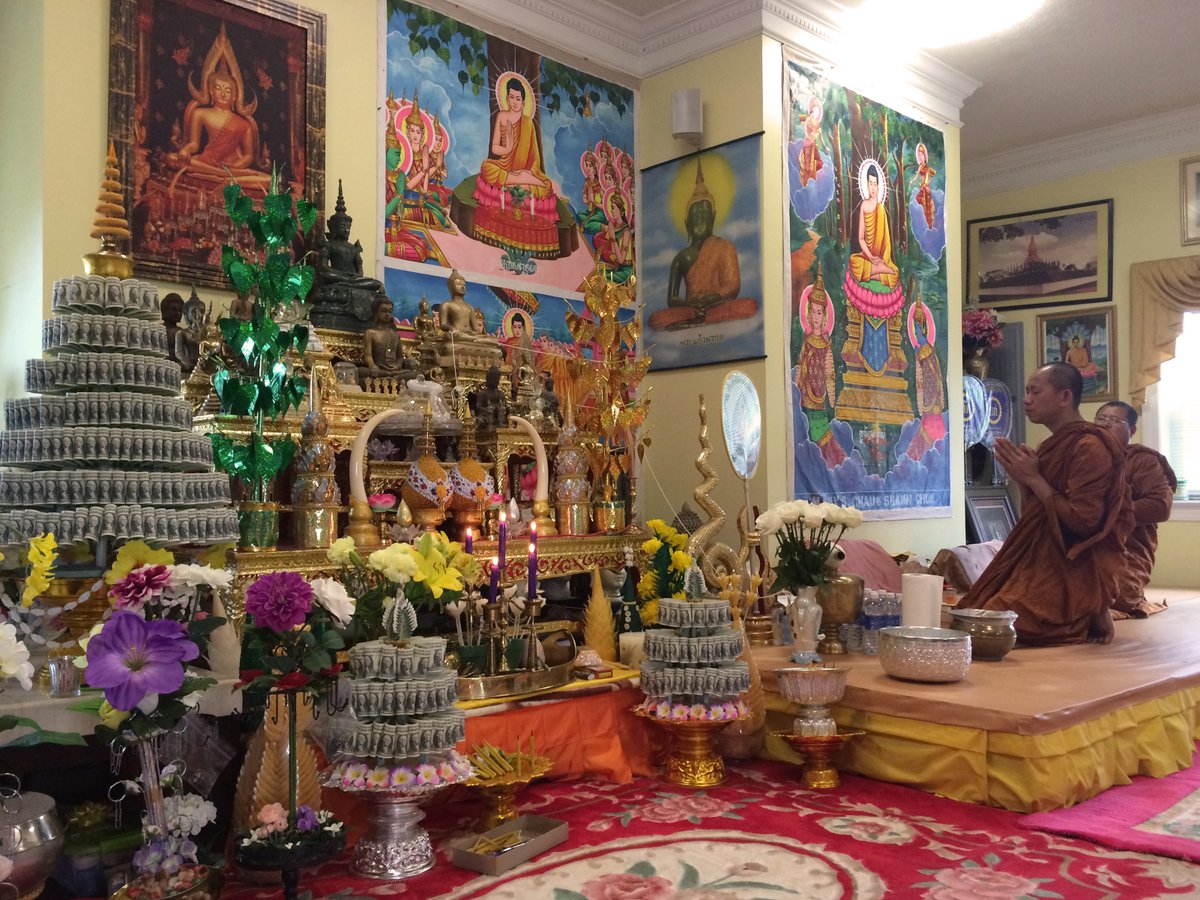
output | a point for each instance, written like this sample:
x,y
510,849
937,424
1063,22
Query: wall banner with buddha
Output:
x,y
867,317
506,165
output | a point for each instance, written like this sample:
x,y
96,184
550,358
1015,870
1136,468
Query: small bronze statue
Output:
x,y
189,338
491,409
172,311
382,353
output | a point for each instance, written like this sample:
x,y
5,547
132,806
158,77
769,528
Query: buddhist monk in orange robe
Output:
x,y
1058,568
1152,486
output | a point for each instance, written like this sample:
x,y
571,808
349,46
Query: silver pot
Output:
x,y
31,835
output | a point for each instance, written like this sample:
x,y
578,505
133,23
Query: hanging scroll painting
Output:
x,y
866,322
497,161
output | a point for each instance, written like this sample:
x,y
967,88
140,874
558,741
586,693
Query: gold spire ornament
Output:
x,y
598,625
700,192
111,226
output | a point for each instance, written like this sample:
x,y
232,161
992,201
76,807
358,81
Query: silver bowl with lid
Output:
x,y
31,835
920,653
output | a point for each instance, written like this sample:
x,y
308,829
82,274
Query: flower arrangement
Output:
x,y
313,828
14,657
665,570
352,775
695,712
981,328
295,628
138,657
803,557
431,573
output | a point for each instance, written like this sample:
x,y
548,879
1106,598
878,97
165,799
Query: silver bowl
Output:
x,y
920,653
812,685
32,837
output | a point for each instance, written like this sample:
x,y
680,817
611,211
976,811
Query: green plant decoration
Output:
x,y
261,385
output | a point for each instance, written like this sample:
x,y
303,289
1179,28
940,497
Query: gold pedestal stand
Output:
x,y
759,632
693,760
841,600
819,772
500,794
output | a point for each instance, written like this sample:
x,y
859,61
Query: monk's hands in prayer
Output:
x,y
1021,464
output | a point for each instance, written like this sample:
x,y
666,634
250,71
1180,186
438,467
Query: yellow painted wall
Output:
x,y
734,106
1145,227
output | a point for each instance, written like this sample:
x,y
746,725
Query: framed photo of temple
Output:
x,y
1044,257
202,92
1189,199
1087,340
702,257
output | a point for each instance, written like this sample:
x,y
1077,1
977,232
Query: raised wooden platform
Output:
x,y
1044,728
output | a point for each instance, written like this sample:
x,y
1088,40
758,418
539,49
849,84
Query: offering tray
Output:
x,y
527,681
819,772
500,792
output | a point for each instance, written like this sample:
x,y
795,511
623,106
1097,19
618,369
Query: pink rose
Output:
x,y
273,817
680,809
980,882
627,886
870,828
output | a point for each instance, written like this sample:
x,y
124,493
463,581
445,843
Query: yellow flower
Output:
x,y
433,573
679,540
112,718
651,546
36,584
216,555
657,526
134,555
339,552
650,612
468,566
680,561
679,595
42,550
647,587
81,660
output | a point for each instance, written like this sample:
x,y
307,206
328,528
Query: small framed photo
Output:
x,y
1044,257
1189,199
991,514
1087,340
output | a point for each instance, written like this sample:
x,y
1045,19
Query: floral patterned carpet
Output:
x,y
762,836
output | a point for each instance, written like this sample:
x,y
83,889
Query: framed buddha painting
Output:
x,y
202,92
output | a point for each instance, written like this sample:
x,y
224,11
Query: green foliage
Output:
x,y
260,384
293,660
37,735
582,91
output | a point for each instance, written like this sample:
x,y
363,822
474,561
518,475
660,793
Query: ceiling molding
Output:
x,y
1168,134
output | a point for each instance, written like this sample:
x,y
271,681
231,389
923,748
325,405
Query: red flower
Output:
x,y
291,681
247,676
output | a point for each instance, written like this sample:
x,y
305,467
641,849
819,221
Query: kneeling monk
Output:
x,y
1058,568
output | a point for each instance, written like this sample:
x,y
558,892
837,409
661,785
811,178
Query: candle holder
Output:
x,y
497,659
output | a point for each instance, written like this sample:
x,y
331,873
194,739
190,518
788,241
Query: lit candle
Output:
x,y
502,545
533,533
532,569
494,585
469,543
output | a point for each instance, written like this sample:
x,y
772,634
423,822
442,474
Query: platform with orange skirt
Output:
x,y
1044,728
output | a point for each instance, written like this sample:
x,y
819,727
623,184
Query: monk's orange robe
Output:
x,y
1152,484
1058,568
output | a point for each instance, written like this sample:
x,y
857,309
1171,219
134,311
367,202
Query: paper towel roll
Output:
x,y
921,600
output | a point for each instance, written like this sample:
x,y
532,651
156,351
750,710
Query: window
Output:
x,y
1171,418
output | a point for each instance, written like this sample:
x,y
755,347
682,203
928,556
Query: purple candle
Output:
x,y
533,563
494,584
469,543
502,547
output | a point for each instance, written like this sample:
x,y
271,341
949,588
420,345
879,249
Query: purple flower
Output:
x,y
306,819
139,587
131,658
279,601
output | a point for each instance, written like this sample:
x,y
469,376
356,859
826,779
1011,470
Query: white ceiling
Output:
x,y
1104,81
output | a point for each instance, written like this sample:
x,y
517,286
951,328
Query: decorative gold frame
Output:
x,y
130,89
1103,317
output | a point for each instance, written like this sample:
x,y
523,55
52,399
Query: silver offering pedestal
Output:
x,y
395,845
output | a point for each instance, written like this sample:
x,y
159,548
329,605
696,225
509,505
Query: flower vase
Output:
x,y
976,361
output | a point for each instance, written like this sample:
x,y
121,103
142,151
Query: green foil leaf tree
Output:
x,y
260,384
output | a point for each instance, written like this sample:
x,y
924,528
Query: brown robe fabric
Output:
x,y
1058,568
1152,484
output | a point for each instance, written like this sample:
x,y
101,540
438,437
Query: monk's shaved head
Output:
x,y
1064,377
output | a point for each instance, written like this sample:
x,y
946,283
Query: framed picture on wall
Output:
x,y
1087,340
1189,199
202,92
990,513
1045,257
